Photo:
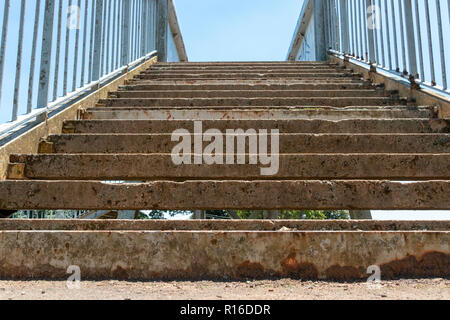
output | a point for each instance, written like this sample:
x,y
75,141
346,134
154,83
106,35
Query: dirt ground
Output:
x,y
286,289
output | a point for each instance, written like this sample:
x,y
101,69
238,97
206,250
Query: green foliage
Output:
x,y
299,214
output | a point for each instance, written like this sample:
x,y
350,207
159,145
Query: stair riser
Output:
x,y
248,94
234,195
198,71
251,102
224,255
234,113
298,143
237,86
138,167
238,76
221,225
285,126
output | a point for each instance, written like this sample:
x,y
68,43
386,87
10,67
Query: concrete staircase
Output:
x,y
345,143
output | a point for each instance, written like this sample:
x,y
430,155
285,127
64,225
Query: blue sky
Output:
x,y
237,30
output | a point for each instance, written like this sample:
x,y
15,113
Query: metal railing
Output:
x,y
53,50
403,37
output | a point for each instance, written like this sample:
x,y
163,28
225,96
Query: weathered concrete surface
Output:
x,y
233,195
221,71
28,142
222,225
151,167
248,93
288,143
151,255
244,113
266,85
285,126
251,102
294,75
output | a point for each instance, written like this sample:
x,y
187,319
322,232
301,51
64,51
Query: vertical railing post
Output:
x,y
3,43
162,31
125,33
46,54
411,41
33,57
370,29
19,61
344,26
320,30
441,45
96,64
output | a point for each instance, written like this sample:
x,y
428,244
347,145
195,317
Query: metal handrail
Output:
x,y
404,38
94,40
64,102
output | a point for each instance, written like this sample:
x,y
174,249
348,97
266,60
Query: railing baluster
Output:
x,y
344,27
383,55
58,50
430,43
119,32
66,51
419,41
114,43
33,57
360,31
375,31
352,24
46,54
3,43
394,28
96,72
388,35
91,42
441,45
108,37
409,27
126,32
19,61
83,60
103,51
76,50
402,34
370,29
365,30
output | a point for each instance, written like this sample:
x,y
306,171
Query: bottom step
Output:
x,y
152,254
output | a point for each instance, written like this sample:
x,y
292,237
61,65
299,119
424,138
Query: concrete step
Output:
x,y
288,143
251,102
234,69
223,225
152,167
285,126
256,113
244,63
244,76
283,83
233,195
33,246
320,69
157,86
250,93
118,254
